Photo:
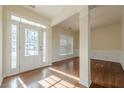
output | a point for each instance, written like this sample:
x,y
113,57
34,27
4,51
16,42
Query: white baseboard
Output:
x,y
114,56
85,83
1,79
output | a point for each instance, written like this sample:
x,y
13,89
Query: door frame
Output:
x,y
7,46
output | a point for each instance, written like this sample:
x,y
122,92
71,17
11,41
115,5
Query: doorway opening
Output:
x,y
65,45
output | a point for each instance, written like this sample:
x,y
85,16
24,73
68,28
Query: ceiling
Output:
x,y
71,23
105,15
49,11
100,16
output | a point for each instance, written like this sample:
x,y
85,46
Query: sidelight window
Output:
x,y
13,46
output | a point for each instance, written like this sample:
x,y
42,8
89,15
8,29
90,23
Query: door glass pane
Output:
x,y
13,46
31,42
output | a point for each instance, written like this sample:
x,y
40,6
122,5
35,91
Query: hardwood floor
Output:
x,y
60,75
106,74
65,74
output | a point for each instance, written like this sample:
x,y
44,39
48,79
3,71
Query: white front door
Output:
x,y
31,47
26,48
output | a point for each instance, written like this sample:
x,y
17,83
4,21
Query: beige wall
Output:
x,y
106,38
106,43
76,40
56,32
1,44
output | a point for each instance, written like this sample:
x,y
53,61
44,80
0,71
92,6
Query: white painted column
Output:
x,y
85,77
122,40
1,44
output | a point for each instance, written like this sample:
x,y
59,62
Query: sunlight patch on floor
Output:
x,y
55,82
65,74
65,83
22,83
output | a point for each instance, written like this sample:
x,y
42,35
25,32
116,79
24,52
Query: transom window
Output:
x,y
23,20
